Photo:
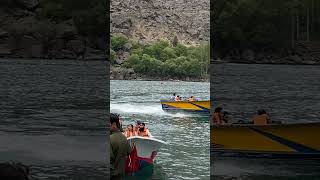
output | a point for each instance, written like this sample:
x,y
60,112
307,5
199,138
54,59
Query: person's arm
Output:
x,y
129,148
148,133
112,158
268,119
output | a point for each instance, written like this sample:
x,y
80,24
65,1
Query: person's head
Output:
x,y
14,171
261,111
138,123
142,126
191,96
114,121
174,94
218,109
130,127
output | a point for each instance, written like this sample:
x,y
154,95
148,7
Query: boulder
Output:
x,y
94,54
4,50
294,59
66,30
27,46
122,56
248,55
77,46
67,54
36,51
127,46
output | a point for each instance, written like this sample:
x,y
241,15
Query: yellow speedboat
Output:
x,y
284,140
187,106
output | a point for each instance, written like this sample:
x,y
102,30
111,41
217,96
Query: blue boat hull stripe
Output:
x,y
293,145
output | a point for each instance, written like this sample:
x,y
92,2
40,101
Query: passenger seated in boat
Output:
x,y
217,116
130,131
191,98
226,117
143,131
173,97
136,128
178,98
262,118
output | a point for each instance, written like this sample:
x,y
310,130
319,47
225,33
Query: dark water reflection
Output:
x,y
53,117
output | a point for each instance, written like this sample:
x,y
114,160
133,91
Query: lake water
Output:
x,y
187,154
288,93
53,117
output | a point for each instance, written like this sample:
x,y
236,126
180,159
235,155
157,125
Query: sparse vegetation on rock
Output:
x,y
161,59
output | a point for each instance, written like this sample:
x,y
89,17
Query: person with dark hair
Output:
x,y
261,118
119,148
217,116
226,117
191,98
143,130
14,171
178,98
129,132
173,97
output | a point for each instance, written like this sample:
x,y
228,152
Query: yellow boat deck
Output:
x,y
196,106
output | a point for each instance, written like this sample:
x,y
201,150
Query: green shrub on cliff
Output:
x,y
118,42
162,59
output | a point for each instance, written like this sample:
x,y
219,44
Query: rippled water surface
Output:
x,y
187,154
288,93
53,117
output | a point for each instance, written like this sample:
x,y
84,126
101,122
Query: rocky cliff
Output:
x,y
24,35
150,20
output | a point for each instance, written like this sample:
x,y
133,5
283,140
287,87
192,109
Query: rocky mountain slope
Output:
x,y
150,20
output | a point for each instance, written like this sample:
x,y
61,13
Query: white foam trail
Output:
x,y
153,109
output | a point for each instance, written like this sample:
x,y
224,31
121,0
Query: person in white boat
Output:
x,y
129,132
143,131
136,128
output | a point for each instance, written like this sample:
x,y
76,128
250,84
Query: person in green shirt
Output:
x,y
119,148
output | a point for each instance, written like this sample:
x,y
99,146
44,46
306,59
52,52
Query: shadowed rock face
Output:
x,y
151,20
29,4
24,35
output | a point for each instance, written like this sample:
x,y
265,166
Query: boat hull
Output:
x,y
186,106
147,147
144,152
282,140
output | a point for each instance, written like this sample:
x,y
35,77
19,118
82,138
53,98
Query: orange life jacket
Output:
x,y
129,133
261,119
144,133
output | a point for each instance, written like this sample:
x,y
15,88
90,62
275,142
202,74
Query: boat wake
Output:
x,y
152,109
